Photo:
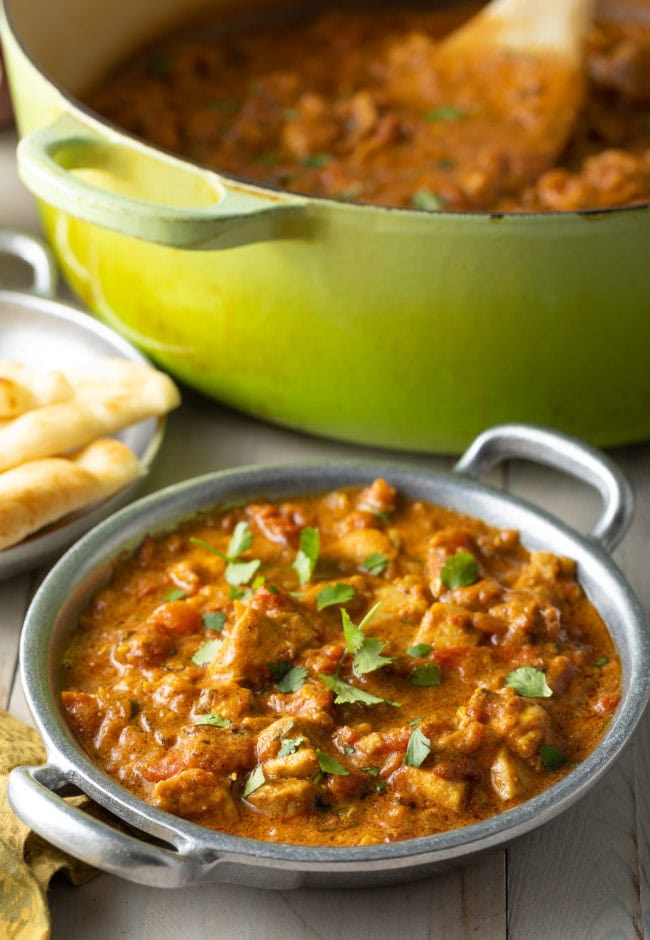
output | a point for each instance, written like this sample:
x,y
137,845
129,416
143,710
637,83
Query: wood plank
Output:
x,y
578,876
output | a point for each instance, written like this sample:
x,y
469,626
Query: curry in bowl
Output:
x,y
354,106
349,668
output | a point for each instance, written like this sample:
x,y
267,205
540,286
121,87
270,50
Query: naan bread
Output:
x,y
22,389
42,491
109,395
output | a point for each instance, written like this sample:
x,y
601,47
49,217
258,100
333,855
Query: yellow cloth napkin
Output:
x,y
27,862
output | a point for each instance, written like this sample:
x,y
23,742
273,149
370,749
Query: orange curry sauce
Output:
x,y
355,107
246,693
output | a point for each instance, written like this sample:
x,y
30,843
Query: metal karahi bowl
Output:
x,y
172,852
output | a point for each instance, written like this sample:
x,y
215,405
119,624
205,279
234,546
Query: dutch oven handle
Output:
x,y
60,165
73,831
34,253
563,452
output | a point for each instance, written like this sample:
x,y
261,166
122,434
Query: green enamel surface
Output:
x,y
409,330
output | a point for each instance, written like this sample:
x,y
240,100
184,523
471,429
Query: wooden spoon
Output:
x,y
518,66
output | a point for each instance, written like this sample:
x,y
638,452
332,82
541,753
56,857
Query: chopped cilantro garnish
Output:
x,y
240,541
288,678
459,570
236,594
316,160
375,564
334,594
551,757
601,662
348,749
386,515
205,654
134,708
307,556
419,748
350,695
214,719
373,771
426,676
289,746
529,681
425,199
420,649
445,113
176,594
240,572
254,781
214,620
201,543
367,650
330,766
414,722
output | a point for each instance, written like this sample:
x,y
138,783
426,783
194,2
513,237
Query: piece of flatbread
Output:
x,y
22,388
42,491
108,404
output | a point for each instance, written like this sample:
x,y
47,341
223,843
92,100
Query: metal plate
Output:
x,y
46,334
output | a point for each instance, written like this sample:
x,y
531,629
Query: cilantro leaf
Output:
x,y
206,653
347,694
459,570
426,676
214,620
373,771
334,594
375,564
240,541
254,781
369,656
305,560
601,662
236,594
240,572
348,749
353,634
176,594
213,719
134,708
288,678
419,748
551,757
289,746
420,649
445,113
316,160
330,766
414,722
293,679
529,681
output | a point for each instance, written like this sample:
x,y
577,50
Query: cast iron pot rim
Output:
x,y
495,215
66,757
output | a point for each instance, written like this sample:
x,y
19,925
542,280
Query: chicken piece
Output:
x,y
84,713
227,699
379,497
267,629
185,576
510,779
444,543
284,799
520,722
402,599
194,792
355,546
446,626
172,696
425,788
302,763
207,747
314,701
543,572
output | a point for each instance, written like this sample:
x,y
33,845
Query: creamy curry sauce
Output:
x,y
342,669
354,106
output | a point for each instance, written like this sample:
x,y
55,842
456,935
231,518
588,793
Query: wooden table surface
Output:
x,y
584,875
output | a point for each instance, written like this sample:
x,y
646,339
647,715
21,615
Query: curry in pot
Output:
x,y
354,106
342,669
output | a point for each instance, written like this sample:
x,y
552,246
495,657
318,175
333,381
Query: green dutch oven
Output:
x,y
396,327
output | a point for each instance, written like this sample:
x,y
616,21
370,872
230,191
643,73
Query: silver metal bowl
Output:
x,y
168,851
41,332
